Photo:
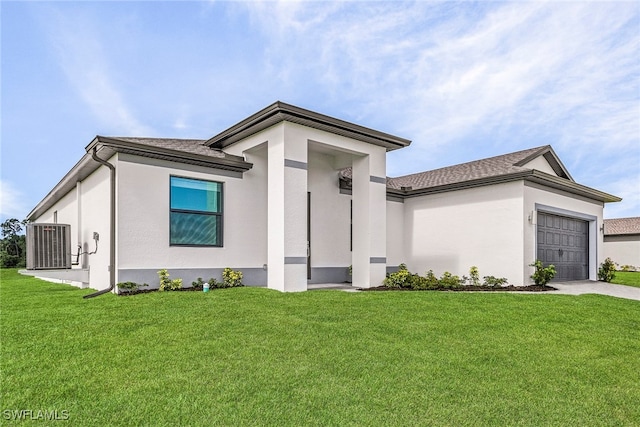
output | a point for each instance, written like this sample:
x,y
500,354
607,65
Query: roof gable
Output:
x,y
545,160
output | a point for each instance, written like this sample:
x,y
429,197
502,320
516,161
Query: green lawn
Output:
x,y
629,278
255,357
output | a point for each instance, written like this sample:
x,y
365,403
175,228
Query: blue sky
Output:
x,y
463,80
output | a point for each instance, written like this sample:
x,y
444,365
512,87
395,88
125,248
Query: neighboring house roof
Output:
x,y
621,226
279,112
493,170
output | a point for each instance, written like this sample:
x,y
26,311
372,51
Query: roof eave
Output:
x,y
85,167
279,112
107,147
229,162
529,175
571,187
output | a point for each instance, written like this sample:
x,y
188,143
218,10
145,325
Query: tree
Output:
x,y
13,244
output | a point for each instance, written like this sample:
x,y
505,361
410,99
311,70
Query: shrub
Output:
x,y
167,284
231,278
607,270
198,283
474,276
450,281
542,275
213,283
130,286
627,267
398,279
417,282
496,282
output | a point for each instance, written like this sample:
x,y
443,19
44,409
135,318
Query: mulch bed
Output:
x,y
146,291
510,288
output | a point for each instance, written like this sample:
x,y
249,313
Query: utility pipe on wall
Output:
x,y
112,226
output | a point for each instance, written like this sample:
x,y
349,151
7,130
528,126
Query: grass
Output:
x,y
629,278
249,356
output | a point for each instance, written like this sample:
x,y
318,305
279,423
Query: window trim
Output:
x,y
219,214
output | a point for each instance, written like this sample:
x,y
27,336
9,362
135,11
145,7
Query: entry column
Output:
x,y
369,257
287,214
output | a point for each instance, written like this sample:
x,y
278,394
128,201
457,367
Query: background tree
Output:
x,y
13,244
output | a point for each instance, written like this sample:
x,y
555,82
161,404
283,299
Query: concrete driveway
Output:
x,y
592,287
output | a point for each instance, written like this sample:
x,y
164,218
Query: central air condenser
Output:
x,y
48,246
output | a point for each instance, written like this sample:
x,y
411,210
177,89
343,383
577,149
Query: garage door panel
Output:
x,y
563,242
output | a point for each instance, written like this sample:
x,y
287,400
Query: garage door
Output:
x,y
564,242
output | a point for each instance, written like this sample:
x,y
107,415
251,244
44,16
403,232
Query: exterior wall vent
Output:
x,y
48,246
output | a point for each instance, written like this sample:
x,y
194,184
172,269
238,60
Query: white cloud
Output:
x,y
81,56
629,190
11,201
448,76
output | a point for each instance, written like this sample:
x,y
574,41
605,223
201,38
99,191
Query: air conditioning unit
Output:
x,y
48,246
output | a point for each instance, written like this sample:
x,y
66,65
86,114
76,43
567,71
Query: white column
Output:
x,y
287,213
369,220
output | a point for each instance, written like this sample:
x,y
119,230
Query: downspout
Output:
x,y
112,228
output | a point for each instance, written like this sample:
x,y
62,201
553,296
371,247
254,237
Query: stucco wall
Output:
x,y
453,231
86,209
624,250
395,233
94,217
67,213
143,218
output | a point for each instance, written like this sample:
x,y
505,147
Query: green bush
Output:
x,y
474,276
231,278
450,281
404,279
495,282
398,279
167,284
198,283
130,286
607,270
542,275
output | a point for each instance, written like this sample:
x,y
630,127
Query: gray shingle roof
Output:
x,y
617,226
484,168
193,146
478,169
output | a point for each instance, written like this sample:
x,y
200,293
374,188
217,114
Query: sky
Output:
x,y
462,80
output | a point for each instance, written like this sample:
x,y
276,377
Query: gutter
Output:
x,y
112,227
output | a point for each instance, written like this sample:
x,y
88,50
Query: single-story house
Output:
x,y
622,241
291,197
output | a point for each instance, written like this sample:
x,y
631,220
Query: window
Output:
x,y
196,212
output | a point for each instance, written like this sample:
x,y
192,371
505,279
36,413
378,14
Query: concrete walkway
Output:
x,y
592,287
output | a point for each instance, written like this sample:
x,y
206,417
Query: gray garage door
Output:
x,y
564,242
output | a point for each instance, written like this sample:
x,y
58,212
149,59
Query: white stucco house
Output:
x,y
291,197
622,241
